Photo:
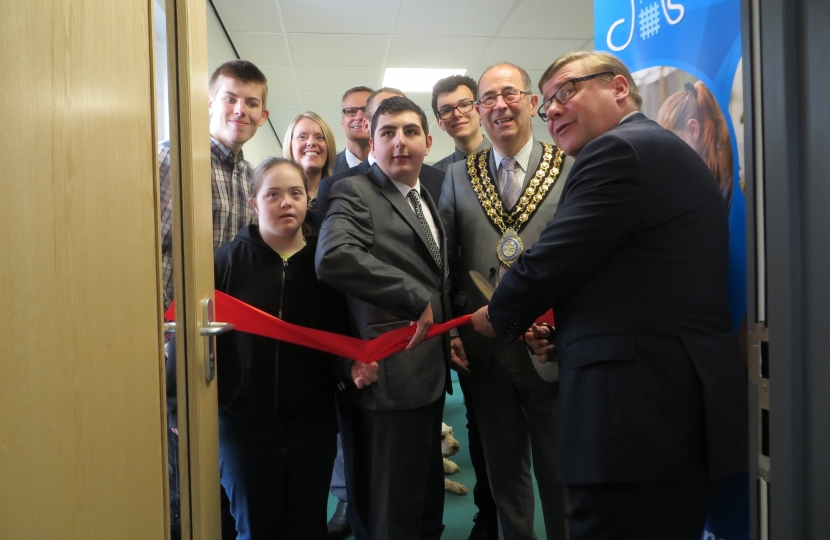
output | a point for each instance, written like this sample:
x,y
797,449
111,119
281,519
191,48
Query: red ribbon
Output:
x,y
247,318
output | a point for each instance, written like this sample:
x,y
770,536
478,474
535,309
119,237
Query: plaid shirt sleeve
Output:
x,y
166,223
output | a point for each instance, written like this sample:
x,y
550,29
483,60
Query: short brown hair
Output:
x,y
331,156
355,90
370,103
596,61
450,84
242,71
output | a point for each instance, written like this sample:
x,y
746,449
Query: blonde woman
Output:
x,y
309,141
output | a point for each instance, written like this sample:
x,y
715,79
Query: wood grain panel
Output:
x,y
81,451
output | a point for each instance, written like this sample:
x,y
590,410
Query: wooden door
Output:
x,y
82,438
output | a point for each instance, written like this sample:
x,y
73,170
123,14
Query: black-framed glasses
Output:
x,y
447,112
509,95
352,111
566,92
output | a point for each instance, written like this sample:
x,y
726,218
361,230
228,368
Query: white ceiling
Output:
x,y
313,50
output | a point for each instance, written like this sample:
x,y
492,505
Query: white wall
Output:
x,y
265,142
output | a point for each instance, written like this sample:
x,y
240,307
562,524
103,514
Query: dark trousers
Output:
x,y
277,474
673,510
395,474
482,496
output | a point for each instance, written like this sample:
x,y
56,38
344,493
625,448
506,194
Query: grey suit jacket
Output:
x,y
373,248
472,239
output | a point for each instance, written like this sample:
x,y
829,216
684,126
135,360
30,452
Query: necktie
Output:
x,y
433,246
512,185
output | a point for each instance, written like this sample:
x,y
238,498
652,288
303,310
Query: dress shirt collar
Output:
x,y
404,189
351,159
627,116
371,159
522,156
221,151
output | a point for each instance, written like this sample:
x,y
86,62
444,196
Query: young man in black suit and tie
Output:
x,y
653,401
382,243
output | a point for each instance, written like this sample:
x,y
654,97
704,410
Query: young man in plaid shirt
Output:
x,y
238,98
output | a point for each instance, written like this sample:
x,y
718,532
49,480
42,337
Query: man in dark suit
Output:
x,y
353,112
653,402
383,244
513,396
430,177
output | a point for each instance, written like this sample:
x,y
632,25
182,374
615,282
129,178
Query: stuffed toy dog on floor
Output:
x,y
450,447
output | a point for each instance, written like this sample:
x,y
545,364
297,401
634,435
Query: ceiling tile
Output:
x,y
353,50
280,119
322,99
248,15
431,52
279,78
528,53
282,99
338,17
550,19
338,79
456,18
260,48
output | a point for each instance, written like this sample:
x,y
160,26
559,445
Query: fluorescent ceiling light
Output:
x,y
416,79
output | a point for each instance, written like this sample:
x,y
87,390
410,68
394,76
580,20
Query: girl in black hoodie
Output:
x,y
277,424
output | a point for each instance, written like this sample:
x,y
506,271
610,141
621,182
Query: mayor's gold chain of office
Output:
x,y
533,196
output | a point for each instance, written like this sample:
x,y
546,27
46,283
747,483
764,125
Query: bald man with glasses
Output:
x,y
482,203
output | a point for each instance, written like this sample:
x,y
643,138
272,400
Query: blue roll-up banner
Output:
x,y
702,38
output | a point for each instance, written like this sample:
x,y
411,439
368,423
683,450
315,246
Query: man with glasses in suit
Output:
x,y
492,204
353,112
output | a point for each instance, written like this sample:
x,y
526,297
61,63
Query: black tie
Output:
x,y
433,246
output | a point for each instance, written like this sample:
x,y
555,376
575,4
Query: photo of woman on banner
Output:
x,y
694,115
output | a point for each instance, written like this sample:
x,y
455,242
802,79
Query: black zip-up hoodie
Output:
x,y
263,377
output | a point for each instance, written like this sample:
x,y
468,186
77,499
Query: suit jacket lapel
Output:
x,y
390,191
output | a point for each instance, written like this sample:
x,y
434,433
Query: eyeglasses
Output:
x,y
509,95
352,111
447,112
566,92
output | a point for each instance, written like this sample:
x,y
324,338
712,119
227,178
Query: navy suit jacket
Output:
x,y
634,265
431,178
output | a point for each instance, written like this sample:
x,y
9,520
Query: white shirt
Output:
x,y
352,159
522,158
372,160
404,189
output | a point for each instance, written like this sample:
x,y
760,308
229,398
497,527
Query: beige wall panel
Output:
x,y
81,452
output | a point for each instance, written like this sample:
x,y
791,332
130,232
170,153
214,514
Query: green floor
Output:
x,y
459,509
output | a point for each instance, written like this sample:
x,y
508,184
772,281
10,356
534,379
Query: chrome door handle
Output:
x,y
210,329
215,329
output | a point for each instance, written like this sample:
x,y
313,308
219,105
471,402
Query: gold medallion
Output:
x,y
510,247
